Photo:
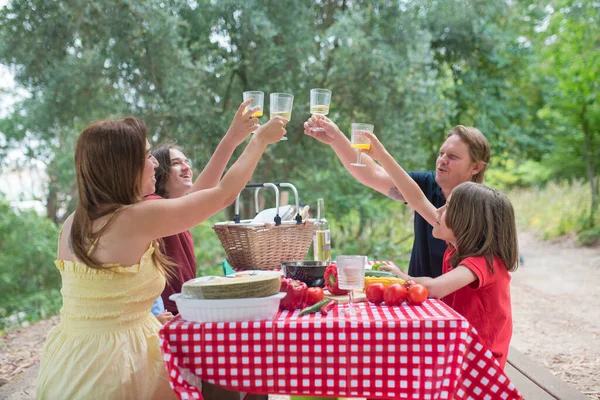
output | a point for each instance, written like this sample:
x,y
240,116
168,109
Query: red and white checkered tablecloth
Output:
x,y
406,352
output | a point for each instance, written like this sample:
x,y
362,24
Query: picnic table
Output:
x,y
425,351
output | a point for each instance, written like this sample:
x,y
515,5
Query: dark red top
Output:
x,y
485,303
180,248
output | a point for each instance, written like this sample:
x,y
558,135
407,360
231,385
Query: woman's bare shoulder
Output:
x,y
65,249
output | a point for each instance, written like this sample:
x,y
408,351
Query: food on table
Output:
x,y
232,287
315,295
386,280
375,292
370,272
375,267
331,280
310,272
417,294
394,294
327,307
296,294
318,307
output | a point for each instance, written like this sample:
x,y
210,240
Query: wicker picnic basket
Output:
x,y
265,246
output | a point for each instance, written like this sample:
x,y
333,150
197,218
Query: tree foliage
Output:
x,y
414,69
524,72
571,54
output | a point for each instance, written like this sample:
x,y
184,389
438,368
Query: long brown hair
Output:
x,y
109,161
479,148
482,220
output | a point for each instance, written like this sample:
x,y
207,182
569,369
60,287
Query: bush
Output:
x,y
29,281
589,237
207,246
386,234
527,174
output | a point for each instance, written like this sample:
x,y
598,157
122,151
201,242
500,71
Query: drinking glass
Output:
x,y
281,106
319,103
259,100
351,276
359,141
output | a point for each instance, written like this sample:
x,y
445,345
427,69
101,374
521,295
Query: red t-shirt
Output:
x,y
485,303
180,248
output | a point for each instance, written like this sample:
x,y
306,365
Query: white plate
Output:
x,y
252,272
228,310
268,215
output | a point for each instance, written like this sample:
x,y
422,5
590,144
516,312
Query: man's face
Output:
x,y
180,176
454,165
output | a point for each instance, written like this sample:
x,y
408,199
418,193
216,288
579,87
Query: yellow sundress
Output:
x,y
106,345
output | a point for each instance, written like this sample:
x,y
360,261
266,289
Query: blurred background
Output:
x,y
524,72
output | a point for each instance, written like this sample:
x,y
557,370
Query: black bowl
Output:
x,y
309,272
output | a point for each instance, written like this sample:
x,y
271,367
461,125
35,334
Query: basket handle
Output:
x,y
276,185
289,185
298,217
277,219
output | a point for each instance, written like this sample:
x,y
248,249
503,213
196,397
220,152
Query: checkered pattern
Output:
x,y
407,352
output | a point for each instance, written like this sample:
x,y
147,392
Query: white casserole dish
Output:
x,y
227,310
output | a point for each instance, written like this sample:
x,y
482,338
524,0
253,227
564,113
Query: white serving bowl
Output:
x,y
227,310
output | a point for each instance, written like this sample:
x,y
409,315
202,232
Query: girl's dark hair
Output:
x,y
482,220
163,156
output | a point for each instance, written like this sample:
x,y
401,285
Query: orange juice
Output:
x,y
257,114
361,146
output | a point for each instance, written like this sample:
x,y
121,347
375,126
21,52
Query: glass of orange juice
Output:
x,y
258,101
359,141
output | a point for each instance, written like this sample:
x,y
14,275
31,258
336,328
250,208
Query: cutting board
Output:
x,y
358,295
344,299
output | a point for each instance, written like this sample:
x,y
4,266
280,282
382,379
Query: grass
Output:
x,y
555,210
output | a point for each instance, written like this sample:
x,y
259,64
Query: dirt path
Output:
x,y
556,313
556,310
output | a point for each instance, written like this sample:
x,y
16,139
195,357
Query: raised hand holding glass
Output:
x,y
258,101
281,106
359,141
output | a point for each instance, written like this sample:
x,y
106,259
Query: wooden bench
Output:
x,y
536,382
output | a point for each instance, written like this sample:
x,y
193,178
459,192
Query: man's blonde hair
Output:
x,y
479,148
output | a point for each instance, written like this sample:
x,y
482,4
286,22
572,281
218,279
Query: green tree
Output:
x,y
570,48
182,67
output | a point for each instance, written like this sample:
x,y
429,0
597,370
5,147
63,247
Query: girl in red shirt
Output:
x,y
478,223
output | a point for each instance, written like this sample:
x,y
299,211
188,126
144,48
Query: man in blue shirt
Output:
x,y
463,157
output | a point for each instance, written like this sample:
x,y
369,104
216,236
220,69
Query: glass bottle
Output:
x,y
321,237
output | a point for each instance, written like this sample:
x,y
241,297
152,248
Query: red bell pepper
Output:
x,y
296,294
331,280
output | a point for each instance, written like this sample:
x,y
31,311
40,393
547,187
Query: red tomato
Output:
x,y
375,292
417,294
315,295
394,294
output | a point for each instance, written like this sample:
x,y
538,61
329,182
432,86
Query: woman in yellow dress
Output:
x,y
106,345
